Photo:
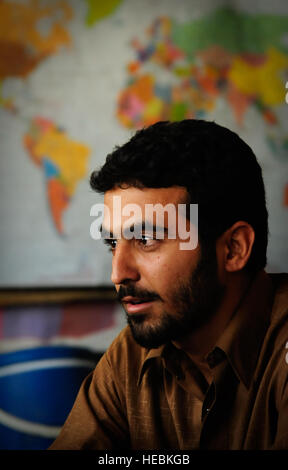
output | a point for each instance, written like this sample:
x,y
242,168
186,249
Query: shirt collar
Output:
x,y
242,338
148,355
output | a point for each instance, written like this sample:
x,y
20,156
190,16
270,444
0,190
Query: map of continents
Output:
x,y
179,71
183,68
22,47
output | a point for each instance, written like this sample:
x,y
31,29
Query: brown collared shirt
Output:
x,y
158,399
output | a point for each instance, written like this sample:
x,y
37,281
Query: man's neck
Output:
x,y
201,341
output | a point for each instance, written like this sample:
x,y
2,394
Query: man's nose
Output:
x,y
124,267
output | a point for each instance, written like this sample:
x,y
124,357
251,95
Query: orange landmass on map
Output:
x,y
58,200
238,101
286,195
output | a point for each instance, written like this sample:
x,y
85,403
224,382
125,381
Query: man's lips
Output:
x,y
136,304
134,300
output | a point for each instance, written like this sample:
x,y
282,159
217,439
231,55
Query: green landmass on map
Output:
x,y
233,30
98,10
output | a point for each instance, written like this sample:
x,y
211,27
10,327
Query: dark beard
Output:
x,y
195,303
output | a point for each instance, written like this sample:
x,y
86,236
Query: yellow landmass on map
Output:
x,y
69,156
152,110
263,80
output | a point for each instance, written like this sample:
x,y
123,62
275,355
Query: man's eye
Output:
x,y
146,241
111,243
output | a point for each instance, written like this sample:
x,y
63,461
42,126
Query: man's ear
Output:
x,y
237,245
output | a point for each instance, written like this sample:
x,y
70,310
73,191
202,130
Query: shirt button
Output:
x,y
205,412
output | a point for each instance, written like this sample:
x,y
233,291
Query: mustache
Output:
x,y
136,292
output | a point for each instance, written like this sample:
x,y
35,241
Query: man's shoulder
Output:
x,y
280,280
276,341
279,314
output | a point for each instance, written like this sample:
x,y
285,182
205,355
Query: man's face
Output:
x,y
166,291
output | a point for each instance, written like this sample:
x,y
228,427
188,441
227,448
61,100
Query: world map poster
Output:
x,y
78,77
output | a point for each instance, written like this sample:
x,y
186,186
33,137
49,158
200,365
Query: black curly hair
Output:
x,y
218,169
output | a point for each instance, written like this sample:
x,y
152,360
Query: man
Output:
x,y
203,363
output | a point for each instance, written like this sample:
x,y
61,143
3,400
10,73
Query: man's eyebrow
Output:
x,y
141,226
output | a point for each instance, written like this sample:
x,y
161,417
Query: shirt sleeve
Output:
x,y
98,418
